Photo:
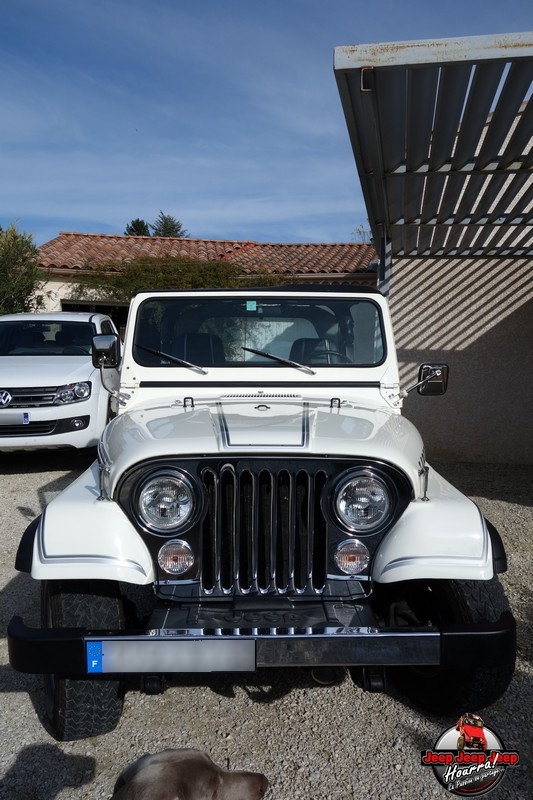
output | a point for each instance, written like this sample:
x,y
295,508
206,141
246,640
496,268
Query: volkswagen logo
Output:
x,y
5,398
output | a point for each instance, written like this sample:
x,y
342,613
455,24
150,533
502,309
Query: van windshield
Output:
x,y
39,338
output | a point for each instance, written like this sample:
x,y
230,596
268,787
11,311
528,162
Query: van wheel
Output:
x,y
81,708
440,690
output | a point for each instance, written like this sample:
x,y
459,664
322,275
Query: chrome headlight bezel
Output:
x,y
185,510
181,560
381,499
352,557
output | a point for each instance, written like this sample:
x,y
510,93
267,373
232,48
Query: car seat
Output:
x,y
204,349
314,351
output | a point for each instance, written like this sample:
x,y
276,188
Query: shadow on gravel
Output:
x,y
508,718
20,463
68,463
41,771
264,686
508,482
20,597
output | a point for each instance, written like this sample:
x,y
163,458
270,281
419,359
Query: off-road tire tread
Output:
x,y
451,691
82,708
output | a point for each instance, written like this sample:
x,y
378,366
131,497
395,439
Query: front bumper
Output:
x,y
76,430
171,648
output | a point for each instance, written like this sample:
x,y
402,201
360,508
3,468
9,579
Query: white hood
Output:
x,y
256,427
29,371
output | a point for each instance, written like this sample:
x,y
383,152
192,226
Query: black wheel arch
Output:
x,y
24,557
499,557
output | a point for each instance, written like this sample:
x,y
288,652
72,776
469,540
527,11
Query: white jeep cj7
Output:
x,y
259,501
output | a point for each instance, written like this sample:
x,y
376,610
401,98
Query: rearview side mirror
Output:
x,y
432,379
106,350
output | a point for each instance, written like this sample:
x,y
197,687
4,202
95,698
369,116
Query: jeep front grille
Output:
x,y
264,530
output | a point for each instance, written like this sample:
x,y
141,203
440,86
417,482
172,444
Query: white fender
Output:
x,y
444,536
81,537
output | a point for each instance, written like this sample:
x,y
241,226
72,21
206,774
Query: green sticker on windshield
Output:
x,y
251,305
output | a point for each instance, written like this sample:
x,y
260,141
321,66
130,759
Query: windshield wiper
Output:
x,y
174,359
281,360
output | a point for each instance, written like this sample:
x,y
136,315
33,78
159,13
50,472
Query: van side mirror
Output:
x,y
432,379
106,350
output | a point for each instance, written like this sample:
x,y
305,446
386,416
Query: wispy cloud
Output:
x,y
225,115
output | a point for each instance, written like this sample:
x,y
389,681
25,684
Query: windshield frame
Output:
x,y
162,319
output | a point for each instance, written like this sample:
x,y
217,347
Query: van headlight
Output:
x,y
72,393
363,502
166,501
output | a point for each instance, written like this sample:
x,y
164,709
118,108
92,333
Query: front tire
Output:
x,y
441,690
81,708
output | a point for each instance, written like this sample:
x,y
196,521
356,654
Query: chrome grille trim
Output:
x,y
33,397
264,531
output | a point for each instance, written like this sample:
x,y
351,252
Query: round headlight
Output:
x,y
352,557
175,557
363,503
166,502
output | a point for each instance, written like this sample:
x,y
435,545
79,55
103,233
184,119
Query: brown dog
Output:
x,y
186,775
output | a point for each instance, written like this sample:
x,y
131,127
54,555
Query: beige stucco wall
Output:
x,y
53,292
476,316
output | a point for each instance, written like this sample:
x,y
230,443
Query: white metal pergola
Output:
x,y
442,133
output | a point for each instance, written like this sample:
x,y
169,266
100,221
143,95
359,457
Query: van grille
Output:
x,y
44,428
32,397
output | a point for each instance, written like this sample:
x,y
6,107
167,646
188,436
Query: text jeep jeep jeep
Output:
x,y
259,501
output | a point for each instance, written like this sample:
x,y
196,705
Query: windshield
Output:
x,y
39,338
475,722
267,331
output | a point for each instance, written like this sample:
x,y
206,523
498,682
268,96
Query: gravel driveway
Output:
x,y
312,742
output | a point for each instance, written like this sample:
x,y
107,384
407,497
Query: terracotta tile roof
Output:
x,y
76,251
300,259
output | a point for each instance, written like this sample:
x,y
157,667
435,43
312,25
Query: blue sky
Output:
x,y
222,113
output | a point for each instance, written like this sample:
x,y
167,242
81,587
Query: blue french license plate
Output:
x,y
171,656
14,417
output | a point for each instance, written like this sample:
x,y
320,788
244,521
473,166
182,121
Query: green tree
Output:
x,y
166,225
21,278
116,282
137,227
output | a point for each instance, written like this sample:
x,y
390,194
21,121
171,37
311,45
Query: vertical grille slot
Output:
x,y
245,533
283,532
210,527
263,530
319,543
225,532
